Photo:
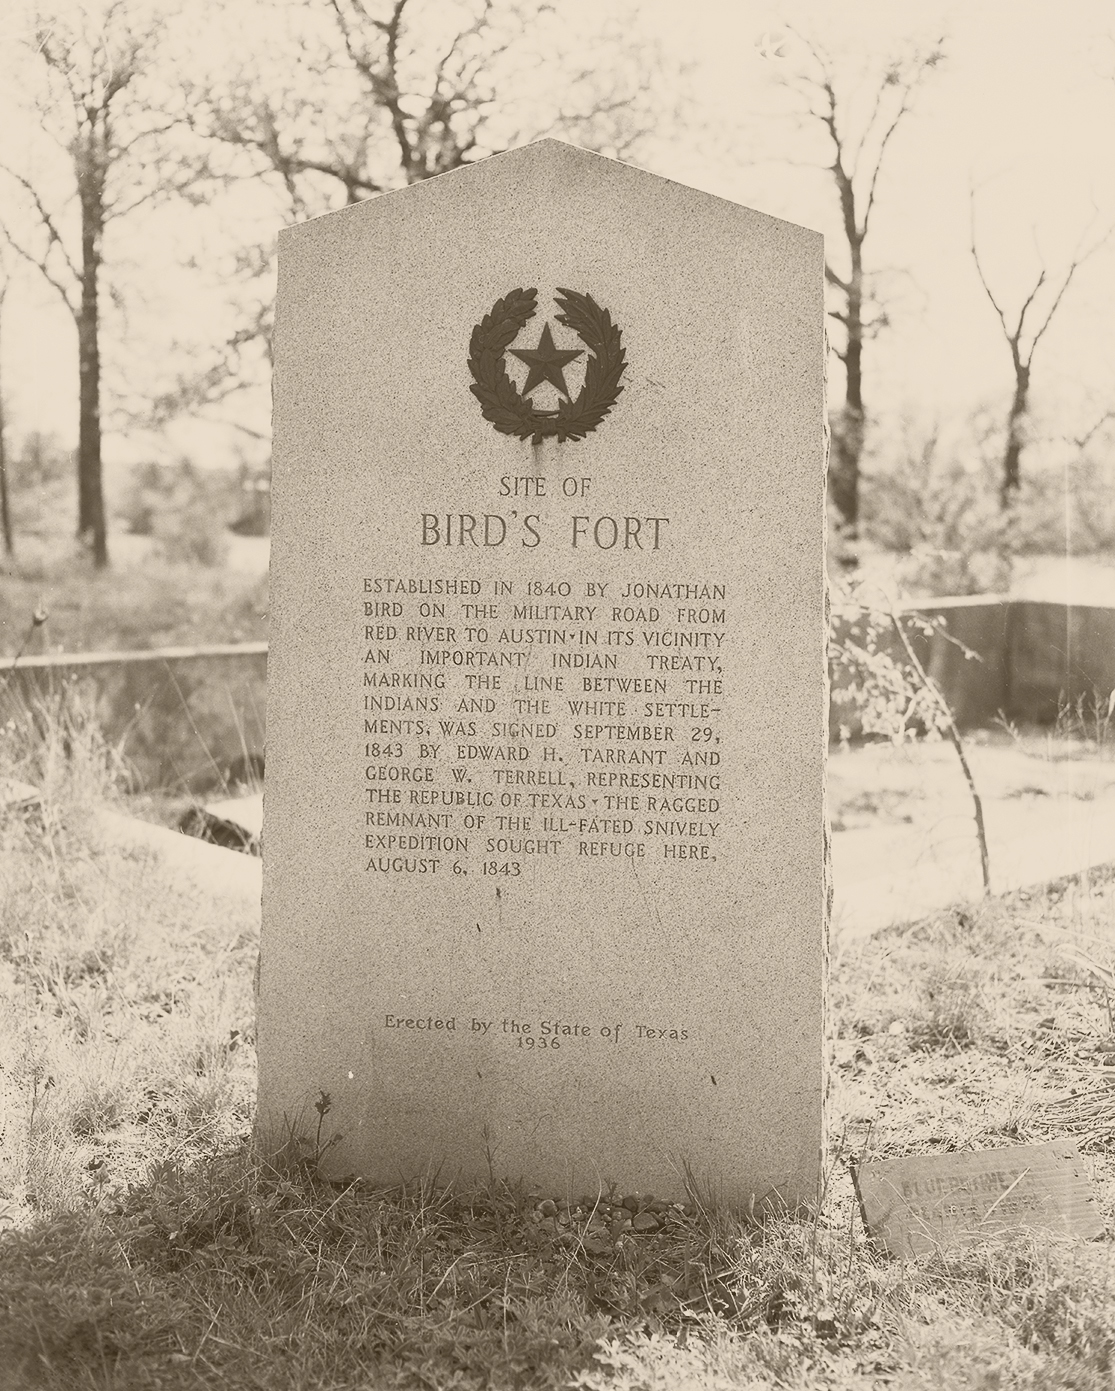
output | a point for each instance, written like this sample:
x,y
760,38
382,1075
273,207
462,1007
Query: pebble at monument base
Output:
x,y
544,879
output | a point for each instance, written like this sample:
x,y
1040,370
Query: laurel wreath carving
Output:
x,y
500,400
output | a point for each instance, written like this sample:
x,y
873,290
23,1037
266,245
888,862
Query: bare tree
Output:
x,y
346,99
858,122
377,96
5,498
88,72
1022,341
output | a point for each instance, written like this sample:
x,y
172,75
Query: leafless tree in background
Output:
x,y
1023,344
858,123
347,99
5,495
357,98
90,67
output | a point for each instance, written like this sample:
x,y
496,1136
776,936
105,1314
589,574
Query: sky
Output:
x,y
1023,110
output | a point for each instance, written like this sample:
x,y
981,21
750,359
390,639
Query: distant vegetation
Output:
x,y
936,508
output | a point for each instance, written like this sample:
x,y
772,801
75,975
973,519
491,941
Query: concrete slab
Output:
x,y
16,794
191,866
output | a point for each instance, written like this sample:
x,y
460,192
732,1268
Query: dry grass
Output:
x,y
125,1010
153,605
145,1246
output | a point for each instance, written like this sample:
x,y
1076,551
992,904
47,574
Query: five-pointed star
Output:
x,y
545,363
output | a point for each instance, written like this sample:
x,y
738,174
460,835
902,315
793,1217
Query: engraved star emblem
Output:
x,y
545,363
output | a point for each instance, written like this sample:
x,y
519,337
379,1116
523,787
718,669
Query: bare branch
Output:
x,y
1078,260
263,435
1025,355
1082,441
903,109
45,217
41,263
383,80
949,721
1016,338
979,265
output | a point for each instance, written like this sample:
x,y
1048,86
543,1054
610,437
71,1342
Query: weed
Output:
x,y
1052,1296
117,1000
150,1247
952,1012
1086,721
889,689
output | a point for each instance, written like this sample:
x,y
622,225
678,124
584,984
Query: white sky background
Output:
x,y
1024,107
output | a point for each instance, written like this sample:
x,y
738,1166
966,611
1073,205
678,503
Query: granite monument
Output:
x,y
545,861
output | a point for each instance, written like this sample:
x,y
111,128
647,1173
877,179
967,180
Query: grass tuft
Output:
x,y
952,1009
144,1245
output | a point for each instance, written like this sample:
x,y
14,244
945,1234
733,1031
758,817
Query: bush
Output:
x,y
254,517
939,510
43,489
185,509
1068,510
875,690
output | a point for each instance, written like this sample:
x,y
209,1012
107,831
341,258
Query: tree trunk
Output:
x,y
848,437
90,490
1016,420
5,505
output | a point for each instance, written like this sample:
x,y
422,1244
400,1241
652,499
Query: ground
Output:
x,y
142,602
904,830
144,1246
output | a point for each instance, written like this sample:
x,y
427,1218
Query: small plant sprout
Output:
x,y
312,1161
1086,720
38,617
948,722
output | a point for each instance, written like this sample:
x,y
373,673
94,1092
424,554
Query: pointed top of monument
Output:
x,y
533,159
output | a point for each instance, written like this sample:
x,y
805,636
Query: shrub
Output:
x,y
43,489
185,509
1066,510
939,510
875,690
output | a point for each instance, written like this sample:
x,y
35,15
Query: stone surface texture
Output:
x,y
693,926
